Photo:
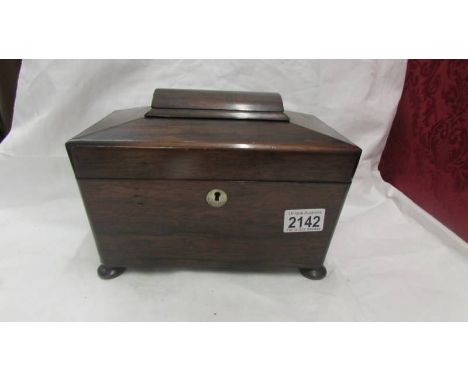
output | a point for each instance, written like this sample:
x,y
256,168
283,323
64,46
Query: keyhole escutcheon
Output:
x,y
216,198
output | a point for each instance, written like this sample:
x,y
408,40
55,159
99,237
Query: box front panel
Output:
x,y
170,223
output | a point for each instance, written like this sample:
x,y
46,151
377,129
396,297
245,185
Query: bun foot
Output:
x,y
107,273
317,273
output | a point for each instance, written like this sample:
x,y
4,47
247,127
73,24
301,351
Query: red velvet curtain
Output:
x,y
426,155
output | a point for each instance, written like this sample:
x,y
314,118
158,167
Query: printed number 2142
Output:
x,y
303,220
300,222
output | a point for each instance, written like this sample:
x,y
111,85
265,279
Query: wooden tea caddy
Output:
x,y
212,179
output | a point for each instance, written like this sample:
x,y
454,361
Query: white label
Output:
x,y
303,220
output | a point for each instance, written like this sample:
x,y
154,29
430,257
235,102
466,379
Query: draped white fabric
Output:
x,y
388,260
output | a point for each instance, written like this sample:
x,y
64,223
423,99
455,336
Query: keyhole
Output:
x,y
216,198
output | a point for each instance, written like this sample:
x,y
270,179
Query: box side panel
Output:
x,y
99,162
139,223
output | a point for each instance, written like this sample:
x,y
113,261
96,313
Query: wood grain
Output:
x,y
165,148
148,223
216,114
216,100
144,182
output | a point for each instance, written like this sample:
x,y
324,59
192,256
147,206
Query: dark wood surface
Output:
x,y
129,128
169,223
127,145
144,183
311,122
216,100
200,164
217,114
114,119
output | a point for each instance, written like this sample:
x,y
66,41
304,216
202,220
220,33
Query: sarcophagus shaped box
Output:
x,y
212,179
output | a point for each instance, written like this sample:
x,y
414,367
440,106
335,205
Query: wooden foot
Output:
x,y
107,273
316,273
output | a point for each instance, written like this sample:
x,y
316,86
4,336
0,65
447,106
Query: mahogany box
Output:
x,y
212,179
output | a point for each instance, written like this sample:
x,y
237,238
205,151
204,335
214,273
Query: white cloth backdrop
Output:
x,y
389,260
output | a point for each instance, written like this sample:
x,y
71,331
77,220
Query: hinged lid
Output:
x,y
182,103
129,144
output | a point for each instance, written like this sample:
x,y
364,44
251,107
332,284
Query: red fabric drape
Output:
x,y
426,155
